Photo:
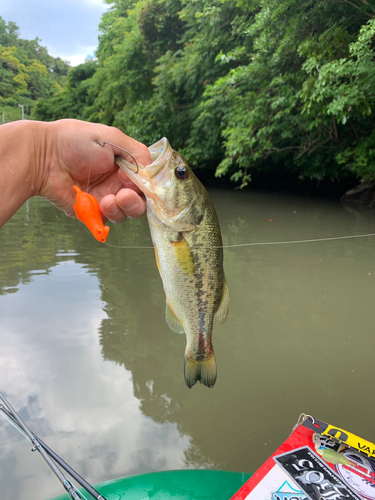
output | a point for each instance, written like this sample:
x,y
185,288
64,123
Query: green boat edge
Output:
x,y
186,484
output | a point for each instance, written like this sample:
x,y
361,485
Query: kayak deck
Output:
x,y
187,484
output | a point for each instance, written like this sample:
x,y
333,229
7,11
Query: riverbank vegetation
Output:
x,y
27,72
242,88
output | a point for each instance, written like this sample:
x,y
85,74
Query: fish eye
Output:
x,y
181,173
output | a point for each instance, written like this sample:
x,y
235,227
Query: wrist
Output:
x,y
24,155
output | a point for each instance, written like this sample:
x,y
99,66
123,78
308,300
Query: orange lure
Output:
x,y
87,211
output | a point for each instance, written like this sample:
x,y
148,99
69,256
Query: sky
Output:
x,y
68,28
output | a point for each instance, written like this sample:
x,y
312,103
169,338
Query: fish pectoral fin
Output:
x,y
173,322
222,313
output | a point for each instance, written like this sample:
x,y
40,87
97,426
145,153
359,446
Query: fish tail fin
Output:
x,y
203,370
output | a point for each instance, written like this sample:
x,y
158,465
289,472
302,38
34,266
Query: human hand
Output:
x,y
75,158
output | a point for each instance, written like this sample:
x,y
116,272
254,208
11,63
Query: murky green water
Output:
x,y
87,358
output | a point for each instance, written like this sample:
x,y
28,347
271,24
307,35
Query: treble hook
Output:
x,y
114,145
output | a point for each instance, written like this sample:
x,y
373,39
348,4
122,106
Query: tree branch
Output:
x,y
335,128
358,7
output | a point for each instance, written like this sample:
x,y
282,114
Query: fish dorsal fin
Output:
x,y
184,256
222,313
173,322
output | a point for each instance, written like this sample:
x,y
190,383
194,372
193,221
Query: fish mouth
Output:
x,y
159,149
160,153
143,175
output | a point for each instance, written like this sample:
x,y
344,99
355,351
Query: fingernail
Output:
x,y
129,203
112,208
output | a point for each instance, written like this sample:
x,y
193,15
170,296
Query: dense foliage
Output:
x,y
27,72
242,86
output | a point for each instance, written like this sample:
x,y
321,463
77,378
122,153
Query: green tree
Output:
x,y
342,90
27,72
266,123
281,87
74,100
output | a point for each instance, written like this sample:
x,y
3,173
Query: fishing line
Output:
x,y
290,242
88,178
240,245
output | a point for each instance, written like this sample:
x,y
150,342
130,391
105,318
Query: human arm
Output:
x,y
47,159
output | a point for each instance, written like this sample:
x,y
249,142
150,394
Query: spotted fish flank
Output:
x,y
188,249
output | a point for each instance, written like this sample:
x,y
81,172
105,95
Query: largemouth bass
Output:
x,y
189,255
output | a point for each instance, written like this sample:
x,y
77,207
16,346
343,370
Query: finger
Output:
x,y
126,204
102,185
131,203
110,209
127,182
138,150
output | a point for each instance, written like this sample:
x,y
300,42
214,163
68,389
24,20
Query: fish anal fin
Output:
x,y
184,256
173,322
203,371
223,310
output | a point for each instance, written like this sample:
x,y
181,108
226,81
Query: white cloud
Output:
x,y
68,29
75,60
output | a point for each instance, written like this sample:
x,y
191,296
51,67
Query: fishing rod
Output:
x,y
48,454
57,459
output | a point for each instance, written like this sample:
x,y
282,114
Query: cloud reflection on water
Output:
x,y
52,371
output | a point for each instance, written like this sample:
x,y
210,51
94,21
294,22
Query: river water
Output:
x,y
88,361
